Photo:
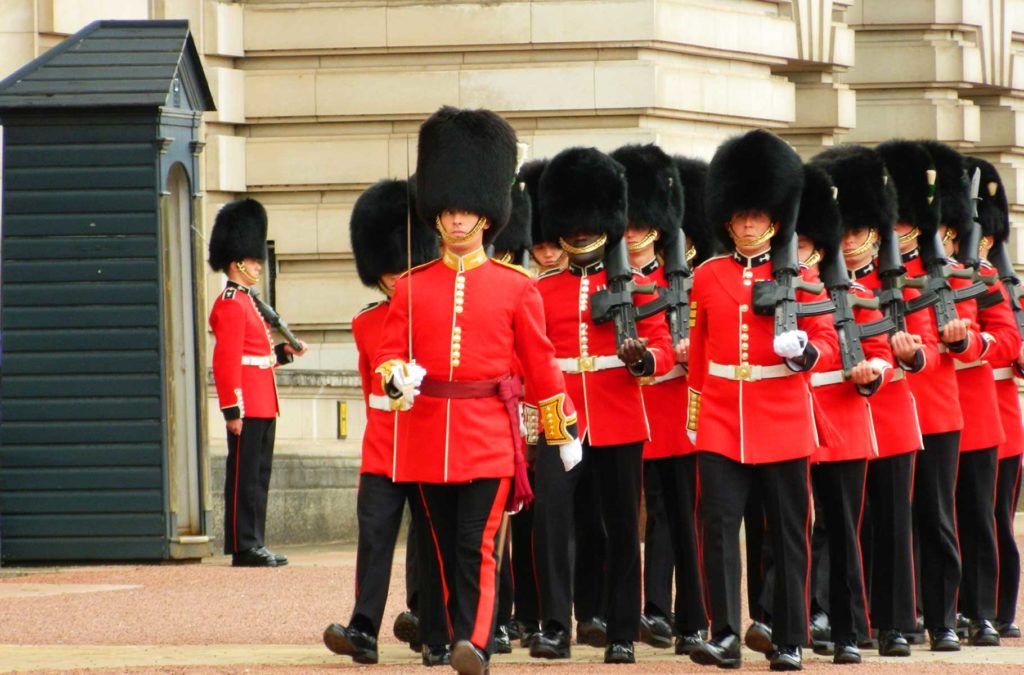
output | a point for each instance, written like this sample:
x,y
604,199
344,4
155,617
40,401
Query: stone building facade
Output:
x,y
317,99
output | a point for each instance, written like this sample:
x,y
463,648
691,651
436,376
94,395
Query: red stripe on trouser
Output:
x,y
860,551
483,620
440,560
234,505
807,548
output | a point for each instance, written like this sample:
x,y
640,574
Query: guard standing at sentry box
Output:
x,y
451,339
244,358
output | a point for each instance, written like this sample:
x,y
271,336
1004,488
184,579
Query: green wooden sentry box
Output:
x,y
102,455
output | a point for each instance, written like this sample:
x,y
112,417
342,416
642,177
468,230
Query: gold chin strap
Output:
x,y
240,266
813,259
647,240
592,246
449,239
863,248
948,237
755,241
910,236
505,257
691,253
985,245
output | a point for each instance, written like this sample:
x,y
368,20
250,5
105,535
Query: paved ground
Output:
x,y
210,618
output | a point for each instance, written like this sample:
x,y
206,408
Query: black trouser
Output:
x,y
893,592
677,480
839,486
658,555
935,523
527,595
758,556
1007,493
976,527
617,470
589,550
247,484
819,554
467,524
724,485
380,504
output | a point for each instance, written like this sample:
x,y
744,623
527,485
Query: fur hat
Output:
x,y
378,231
867,195
954,186
693,174
819,218
516,235
239,232
466,160
655,192
993,208
757,171
530,174
917,201
583,190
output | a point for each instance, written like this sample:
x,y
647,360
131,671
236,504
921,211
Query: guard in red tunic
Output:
x,y
546,255
749,410
983,429
583,204
868,206
936,396
244,358
656,208
453,337
839,466
378,229
994,215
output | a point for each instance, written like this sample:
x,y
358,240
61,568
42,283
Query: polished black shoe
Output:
x,y
407,628
438,655
280,559
502,639
362,647
254,557
655,631
823,648
1007,630
515,631
759,638
593,632
963,626
722,651
788,657
821,628
551,644
619,651
468,659
528,631
846,652
944,640
687,642
892,643
981,633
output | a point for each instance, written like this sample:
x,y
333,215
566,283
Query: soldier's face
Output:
x,y
748,229
457,224
547,255
948,241
902,229
387,283
804,248
854,240
582,240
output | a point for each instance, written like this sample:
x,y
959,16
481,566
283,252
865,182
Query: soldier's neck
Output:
x,y
465,261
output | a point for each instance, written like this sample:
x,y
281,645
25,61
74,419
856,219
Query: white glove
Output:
x,y
407,380
692,435
571,454
790,344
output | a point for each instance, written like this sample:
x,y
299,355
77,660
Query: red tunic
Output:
x,y
1003,361
609,402
382,425
893,413
665,399
465,331
241,332
753,422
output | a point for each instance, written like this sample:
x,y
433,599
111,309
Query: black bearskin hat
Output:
x,y
516,235
819,218
530,174
378,231
583,190
757,171
466,161
239,232
954,186
655,192
867,195
693,174
993,208
908,164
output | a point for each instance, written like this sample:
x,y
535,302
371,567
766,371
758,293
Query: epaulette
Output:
x,y
228,293
418,268
372,305
857,286
550,273
716,257
513,266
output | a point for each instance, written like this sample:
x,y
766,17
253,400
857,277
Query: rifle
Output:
x,y
1001,259
894,279
837,280
615,303
275,320
937,283
680,283
778,296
